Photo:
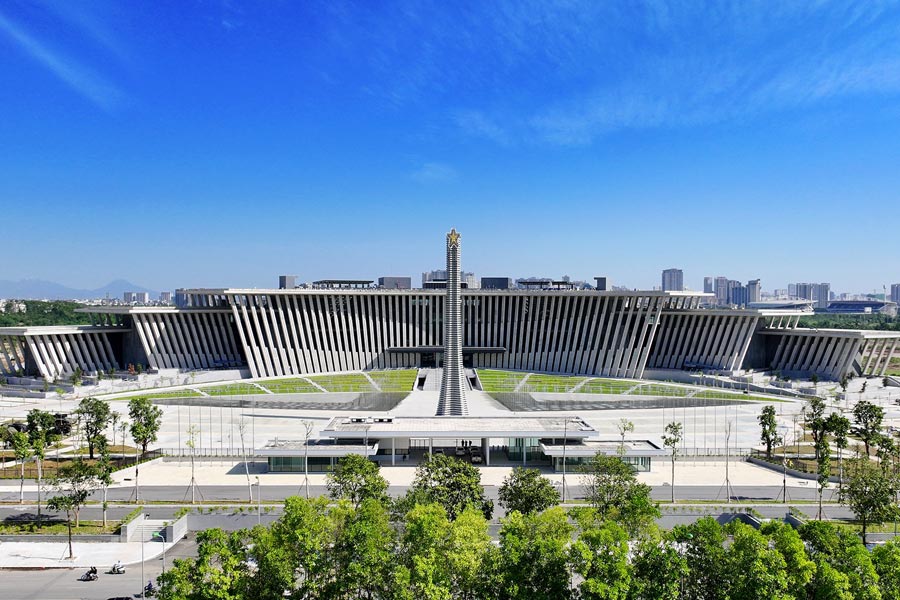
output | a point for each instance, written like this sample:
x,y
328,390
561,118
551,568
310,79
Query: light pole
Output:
x,y
784,429
565,444
142,561
162,537
258,501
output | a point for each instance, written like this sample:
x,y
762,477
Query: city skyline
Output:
x,y
721,141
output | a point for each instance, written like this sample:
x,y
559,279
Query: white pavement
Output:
x,y
228,472
55,555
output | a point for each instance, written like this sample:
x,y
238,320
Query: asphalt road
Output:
x,y
231,493
63,584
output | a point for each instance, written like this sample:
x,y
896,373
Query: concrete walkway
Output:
x,y
55,555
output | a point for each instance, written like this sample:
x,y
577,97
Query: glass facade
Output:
x,y
639,464
294,464
532,446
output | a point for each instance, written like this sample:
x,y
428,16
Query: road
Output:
x,y
63,584
231,493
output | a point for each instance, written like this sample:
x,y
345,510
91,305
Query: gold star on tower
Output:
x,y
453,237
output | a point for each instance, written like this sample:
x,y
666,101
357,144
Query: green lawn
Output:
x,y
551,383
661,389
57,527
606,386
499,381
716,394
350,382
233,389
399,380
172,394
289,386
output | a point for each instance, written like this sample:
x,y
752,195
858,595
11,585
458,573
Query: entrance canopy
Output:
x,y
458,427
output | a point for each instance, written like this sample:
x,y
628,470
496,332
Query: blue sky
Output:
x,y
221,143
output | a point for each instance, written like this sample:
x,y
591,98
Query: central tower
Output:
x,y
453,384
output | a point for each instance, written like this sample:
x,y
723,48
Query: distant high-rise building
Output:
x,y
708,286
165,297
736,293
395,283
721,290
819,293
142,297
128,297
603,284
673,280
496,283
895,292
287,282
440,275
754,291
792,290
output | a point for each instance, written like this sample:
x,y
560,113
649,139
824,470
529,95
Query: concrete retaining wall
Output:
x,y
789,471
129,529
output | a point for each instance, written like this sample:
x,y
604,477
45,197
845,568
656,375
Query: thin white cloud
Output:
x,y
434,172
81,79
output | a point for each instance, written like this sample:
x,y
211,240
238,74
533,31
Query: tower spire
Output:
x,y
452,400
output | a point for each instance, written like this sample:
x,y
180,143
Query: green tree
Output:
x,y
839,426
293,555
755,570
38,450
624,426
703,543
22,452
95,416
659,570
844,552
869,493
468,559
671,439
40,424
71,486
104,469
800,569
616,495
868,418
146,419
600,557
533,556
829,583
886,560
221,570
424,548
823,467
814,420
450,482
768,429
357,478
362,554
527,491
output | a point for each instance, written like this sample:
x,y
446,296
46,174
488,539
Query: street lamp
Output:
x,y
161,536
258,501
784,435
142,561
565,444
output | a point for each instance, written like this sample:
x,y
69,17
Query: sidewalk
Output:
x,y
54,555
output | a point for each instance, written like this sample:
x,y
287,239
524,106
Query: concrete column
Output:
x,y
393,455
486,450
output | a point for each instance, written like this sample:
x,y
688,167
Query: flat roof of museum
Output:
x,y
515,427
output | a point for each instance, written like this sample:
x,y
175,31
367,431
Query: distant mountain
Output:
x,y
37,289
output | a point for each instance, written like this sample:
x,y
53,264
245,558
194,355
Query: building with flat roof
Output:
x,y
287,282
497,283
395,283
348,325
673,280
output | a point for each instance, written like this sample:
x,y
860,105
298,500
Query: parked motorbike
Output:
x,y
116,570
